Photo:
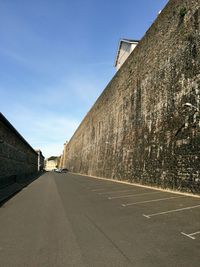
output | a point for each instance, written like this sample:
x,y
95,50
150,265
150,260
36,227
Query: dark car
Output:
x,y
64,170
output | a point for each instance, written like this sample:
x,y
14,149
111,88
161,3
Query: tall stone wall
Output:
x,y
145,126
18,160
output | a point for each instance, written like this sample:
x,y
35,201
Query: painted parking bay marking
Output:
x,y
170,211
99,189
120,191
191,235
135,195
149,201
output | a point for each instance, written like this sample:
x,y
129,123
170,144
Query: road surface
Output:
x,y
63,220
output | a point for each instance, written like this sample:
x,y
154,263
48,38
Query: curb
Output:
x,y
139,185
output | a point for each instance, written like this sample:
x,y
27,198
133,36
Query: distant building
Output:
x,y
125,48
52,163
40,160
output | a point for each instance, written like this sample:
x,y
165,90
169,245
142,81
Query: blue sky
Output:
x,y
56,57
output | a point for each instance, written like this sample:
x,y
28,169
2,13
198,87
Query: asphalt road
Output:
x,y
63,220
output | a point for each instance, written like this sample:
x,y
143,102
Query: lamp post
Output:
x,y
191,106
196,110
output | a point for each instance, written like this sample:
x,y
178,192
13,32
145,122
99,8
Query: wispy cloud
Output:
x,y
86,90
50,134
46,131
67,93
49,116
13,55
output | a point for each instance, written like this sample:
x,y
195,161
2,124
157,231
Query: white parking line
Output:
x,y
94,187
103,179
148,201
99,189
191,235
121,191
135,195
170,211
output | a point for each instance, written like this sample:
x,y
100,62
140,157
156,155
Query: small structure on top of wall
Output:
x,y
126,46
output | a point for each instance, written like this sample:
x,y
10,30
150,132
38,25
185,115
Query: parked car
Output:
x,y
64,170
61,170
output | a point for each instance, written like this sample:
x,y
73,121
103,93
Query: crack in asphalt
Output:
x,y
108,238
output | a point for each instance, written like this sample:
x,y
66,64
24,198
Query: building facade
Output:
x,y
40,161
52,163
18,160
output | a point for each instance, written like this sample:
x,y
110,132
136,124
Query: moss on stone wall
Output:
x,y
142,128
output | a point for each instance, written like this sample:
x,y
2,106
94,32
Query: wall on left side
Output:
x,y
18,160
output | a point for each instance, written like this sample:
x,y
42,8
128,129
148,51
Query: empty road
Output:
x,y
63,220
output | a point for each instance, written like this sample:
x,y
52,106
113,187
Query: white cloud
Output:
x,y
46,131
52,149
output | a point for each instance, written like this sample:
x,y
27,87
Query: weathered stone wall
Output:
x,y
18,161
63,156
142,128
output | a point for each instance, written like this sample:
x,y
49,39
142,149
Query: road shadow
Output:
x,y
10,191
